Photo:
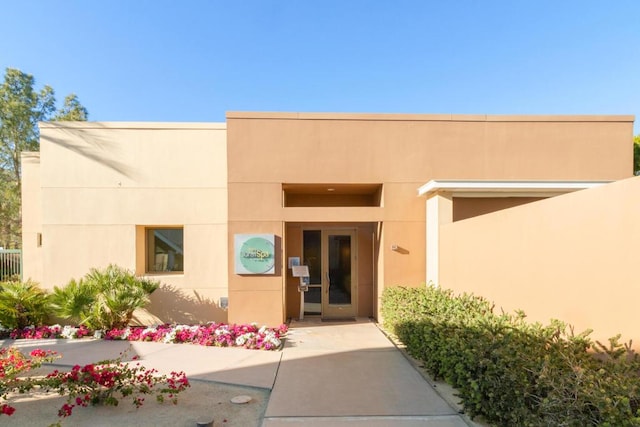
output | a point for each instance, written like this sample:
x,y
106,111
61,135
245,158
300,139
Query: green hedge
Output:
x,y
511,372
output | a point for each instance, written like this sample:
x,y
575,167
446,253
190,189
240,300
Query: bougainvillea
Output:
x,y
105,382
14,363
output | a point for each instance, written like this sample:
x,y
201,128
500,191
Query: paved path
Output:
x,y
328,374
350,374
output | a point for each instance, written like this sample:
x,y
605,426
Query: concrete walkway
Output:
x,y
350,374
328,374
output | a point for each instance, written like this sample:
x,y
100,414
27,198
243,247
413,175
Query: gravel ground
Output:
x,y
203,401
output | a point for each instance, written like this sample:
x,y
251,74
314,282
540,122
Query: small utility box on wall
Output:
x,y
254,253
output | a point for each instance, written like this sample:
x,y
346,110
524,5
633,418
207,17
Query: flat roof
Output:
x,y
482,188
428,117
133,125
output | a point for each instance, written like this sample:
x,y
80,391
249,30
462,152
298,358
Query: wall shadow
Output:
x,y
91,146
173,305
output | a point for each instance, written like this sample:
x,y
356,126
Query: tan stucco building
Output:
x,y
220,212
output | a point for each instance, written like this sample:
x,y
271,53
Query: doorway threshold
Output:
x,y
339,319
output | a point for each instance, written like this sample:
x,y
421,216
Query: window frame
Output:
x,y
149,245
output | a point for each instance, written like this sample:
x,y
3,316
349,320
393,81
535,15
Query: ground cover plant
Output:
x,y
510,371
249,336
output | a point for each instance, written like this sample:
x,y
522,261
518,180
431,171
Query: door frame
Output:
x,y
336,311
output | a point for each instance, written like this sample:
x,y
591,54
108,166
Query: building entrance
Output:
x,y
331,255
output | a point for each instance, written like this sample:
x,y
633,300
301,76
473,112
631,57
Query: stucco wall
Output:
x,y
31,217
571,257
401,152
469,207
102,183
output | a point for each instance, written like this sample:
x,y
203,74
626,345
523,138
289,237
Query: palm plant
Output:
x,y
22,304
103,299
73,301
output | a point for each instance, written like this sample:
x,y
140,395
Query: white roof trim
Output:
x,y
513,188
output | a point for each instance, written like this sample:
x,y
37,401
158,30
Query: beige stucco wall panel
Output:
x,y
113,155
260,201
343,150
262,306
304,153
404,266
31,217
173,304
69,251
134,206
339,214
569,257
550,151
293,237
366,266
206,256
468,207
401,202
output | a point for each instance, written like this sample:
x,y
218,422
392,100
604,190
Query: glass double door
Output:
x,y
331,255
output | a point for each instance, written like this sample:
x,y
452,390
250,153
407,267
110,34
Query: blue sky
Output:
x,y
156,60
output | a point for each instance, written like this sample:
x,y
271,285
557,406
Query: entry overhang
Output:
x,y
460,188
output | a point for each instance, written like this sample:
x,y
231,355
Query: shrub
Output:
x,y
103,299
22,304
513,372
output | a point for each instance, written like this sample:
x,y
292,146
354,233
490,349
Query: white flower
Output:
x,y
270,337
171,336
223,330
242,339
69,331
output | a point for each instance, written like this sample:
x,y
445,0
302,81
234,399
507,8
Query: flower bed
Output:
x,y
106,382
249,336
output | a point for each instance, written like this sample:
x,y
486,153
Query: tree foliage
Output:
x,y
22,106
72,110
636,155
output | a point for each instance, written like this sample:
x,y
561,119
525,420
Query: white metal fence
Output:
x,y
10,264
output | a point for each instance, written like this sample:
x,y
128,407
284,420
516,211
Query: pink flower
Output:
x,y
38,353
7,410
66,410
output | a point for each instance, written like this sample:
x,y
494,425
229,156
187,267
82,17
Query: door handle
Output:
x,y
328,282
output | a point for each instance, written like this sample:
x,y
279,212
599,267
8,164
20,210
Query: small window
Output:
x,y
165,250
